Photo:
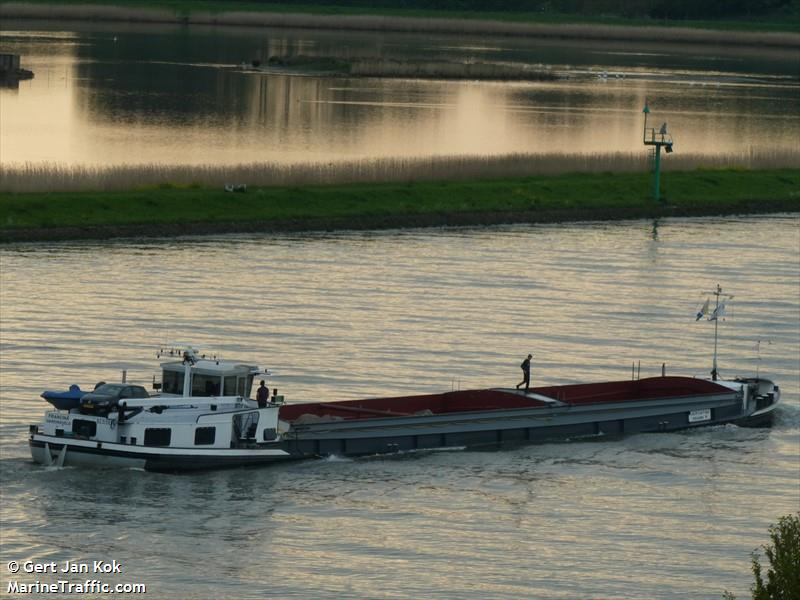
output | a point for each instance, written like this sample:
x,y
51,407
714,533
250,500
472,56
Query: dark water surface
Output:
x,y
111,94
343,316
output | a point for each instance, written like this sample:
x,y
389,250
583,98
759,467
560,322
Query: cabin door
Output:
x,y
245,425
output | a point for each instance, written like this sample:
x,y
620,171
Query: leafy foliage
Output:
x,y
783,576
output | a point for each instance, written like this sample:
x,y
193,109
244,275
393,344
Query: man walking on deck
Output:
x,y
526,372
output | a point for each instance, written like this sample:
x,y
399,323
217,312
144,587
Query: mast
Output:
x,y
717,292
719,310
189,358
656,139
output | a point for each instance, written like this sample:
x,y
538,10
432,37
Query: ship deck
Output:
x,y
504,399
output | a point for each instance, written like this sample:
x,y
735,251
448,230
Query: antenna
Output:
x,y
184,351
719,310
758,355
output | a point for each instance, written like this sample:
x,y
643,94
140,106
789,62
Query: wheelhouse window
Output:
x,y
157,436
230,386
204,436
206,385
172,382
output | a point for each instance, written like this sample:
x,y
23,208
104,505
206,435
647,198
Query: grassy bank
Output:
x,y
782,32
167,210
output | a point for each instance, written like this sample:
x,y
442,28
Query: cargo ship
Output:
x,y
203,417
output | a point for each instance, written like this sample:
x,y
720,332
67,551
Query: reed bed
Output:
x,y
401,24
55,177
86,12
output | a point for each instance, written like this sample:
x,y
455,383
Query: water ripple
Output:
x,y
379,313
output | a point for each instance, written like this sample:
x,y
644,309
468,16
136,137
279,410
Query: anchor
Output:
x,y
48,459
61,456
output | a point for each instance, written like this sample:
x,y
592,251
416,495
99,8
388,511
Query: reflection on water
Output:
x,y
109,95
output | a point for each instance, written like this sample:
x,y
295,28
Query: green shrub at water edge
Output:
x,y
783,576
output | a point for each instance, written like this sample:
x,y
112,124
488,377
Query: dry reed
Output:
x,y
403,24
86,12
54,177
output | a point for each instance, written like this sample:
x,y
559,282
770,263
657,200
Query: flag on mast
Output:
x,y
718,312
703,311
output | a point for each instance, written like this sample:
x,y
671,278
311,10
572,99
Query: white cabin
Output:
x,y
202,417
196,375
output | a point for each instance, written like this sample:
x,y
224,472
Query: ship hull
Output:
x,y
520,426
53,451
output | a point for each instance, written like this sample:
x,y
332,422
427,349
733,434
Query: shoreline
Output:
x,y
367,223
443,24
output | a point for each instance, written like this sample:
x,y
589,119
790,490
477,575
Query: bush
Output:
x,y
783,576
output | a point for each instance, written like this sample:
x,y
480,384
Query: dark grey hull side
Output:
x,y
514,427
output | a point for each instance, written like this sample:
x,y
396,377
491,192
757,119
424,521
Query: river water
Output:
x,y
349,315
115,94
